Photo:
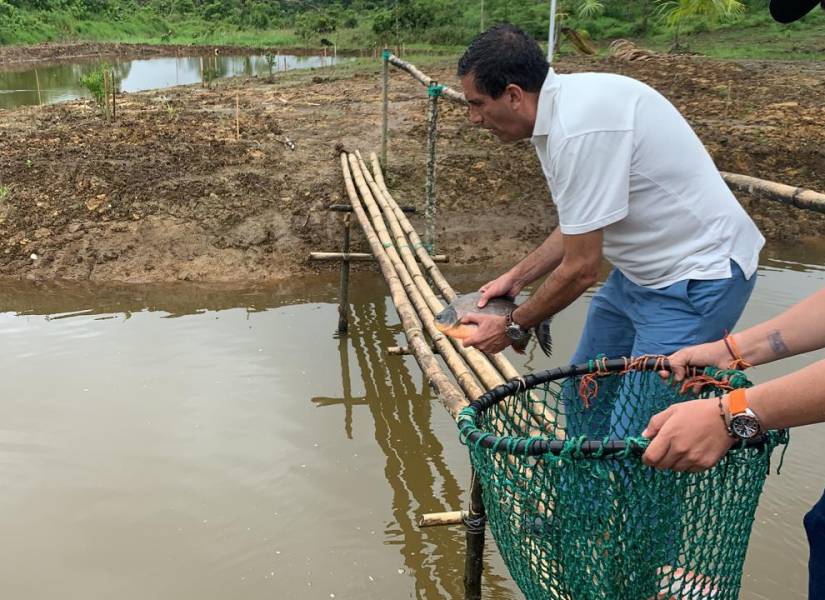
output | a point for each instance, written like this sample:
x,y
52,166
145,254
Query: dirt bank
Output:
x,y
167,192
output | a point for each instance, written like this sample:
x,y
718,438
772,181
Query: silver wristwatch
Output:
x,y
513,329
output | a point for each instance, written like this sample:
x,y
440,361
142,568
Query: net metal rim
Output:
x,y
541,445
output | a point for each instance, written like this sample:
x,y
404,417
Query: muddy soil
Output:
x,y
169,192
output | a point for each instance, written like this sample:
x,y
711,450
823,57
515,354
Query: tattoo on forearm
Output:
x,y
778,345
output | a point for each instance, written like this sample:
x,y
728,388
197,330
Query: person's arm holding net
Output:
x,y
692,436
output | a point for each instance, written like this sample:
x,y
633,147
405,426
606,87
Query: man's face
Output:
x,y
500,115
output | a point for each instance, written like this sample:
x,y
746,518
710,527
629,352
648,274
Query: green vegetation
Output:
x,y
99,83
4,192
706,26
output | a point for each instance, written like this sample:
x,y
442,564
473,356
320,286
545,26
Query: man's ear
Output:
x,y
514,94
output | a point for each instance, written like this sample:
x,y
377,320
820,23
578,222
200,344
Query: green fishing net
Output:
x,y
575,513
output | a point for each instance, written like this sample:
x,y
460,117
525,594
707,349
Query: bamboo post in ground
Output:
x,y
37,81
114,94
237,116
385,113
343,295
474,558
106,95
433,92
203,79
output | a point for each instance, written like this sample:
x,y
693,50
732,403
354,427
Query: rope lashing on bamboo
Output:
x,y
580,516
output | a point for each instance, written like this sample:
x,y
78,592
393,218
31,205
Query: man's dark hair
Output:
x,y
502,55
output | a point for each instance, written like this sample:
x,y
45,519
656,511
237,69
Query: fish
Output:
x,y
448,321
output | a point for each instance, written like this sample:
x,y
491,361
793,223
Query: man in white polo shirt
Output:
x,y
632,183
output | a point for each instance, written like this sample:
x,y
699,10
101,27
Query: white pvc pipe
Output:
x,y
551,36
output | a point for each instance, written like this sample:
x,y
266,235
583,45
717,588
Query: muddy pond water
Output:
x,y
202,442
48,84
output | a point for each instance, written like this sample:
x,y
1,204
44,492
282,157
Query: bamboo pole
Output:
x,y
433,92
454,517
114,94
203,79
385,114
795,196
424,79
464,376
343,295
404,350
475,358
37,81
449,394
474,557
360,256
237,116
504,370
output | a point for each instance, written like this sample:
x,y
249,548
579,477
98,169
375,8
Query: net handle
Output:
x,y
538,447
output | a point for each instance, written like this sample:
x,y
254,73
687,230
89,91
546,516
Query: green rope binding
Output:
x,y
583,522
385,55
435,90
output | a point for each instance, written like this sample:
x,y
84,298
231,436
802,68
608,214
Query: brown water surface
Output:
x,y
201,442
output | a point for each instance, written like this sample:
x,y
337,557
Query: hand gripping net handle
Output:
x,y
538,446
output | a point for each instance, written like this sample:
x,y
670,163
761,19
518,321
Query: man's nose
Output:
x,y
475,117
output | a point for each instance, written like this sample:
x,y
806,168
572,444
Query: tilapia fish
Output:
x,y
448,321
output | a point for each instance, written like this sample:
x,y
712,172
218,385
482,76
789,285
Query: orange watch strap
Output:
x,y
737,402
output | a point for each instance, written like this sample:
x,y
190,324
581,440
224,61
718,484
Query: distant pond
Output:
x,y
48,84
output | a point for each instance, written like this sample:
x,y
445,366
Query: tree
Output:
x,y
676,12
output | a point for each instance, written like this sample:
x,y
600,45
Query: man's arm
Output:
x,y
577,271
539,262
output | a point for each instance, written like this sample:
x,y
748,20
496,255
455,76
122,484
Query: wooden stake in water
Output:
x,y
343,295
203,79
433,92
386,75
37,80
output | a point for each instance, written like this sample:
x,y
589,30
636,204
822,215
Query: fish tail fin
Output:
x,y
544,337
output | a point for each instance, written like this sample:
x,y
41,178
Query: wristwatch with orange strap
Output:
x,y
741,421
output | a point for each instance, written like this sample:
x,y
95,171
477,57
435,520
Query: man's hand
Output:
x,y
490,336
689,436
713,354
503,285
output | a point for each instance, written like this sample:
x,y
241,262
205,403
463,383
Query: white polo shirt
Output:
x,y
619,157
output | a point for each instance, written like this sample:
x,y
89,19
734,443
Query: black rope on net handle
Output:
x,y
531,380
533,447
539,447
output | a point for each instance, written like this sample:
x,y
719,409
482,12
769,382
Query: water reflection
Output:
x,y
416,469
48,84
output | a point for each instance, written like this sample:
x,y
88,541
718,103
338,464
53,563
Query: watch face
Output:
x,y
744,426
515,333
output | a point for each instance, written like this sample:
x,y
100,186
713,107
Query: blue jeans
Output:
x,y
815,528
626,319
